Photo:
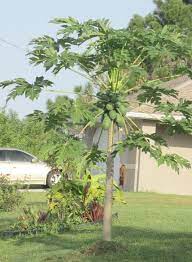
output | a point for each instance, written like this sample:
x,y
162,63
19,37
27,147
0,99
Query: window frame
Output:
x,y
8,158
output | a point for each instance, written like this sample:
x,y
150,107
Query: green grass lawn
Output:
x,y
153,227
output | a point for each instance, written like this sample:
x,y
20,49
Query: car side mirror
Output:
x,y
34,160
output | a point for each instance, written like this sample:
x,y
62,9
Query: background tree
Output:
x,y
117,62
21,133
62,147
48,135
176,13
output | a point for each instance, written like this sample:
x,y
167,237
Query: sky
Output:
x,y
22,20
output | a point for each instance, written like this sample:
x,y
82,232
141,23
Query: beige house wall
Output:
x,y
131,158
143,174
93,136
163,179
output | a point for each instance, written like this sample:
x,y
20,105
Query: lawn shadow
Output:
x,y
153,245
5,222
73,239
141,244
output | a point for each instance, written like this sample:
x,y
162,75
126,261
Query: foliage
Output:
x,y
153,94
22,87
145,226
10,197
22,134
117,67
33,222
70,202
114,108
55,145
169,12
10,123
64,152
63,211
94,194
96,189
176,14
77,200
65,202
63,121
93,157
152,144
118,63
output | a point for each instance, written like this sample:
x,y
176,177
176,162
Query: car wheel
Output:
x,y
53,178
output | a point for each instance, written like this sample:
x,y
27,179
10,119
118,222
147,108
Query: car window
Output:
x,y
18,156
2,155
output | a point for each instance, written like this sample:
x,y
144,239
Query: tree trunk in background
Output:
x,y
107,222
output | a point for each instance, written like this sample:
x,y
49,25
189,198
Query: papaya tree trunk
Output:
x,y
107,221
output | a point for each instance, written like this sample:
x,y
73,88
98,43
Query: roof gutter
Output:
x,y
149,116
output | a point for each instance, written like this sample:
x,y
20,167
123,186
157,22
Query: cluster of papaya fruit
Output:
x,y
114,107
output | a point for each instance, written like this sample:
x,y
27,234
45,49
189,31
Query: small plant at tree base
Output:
x,y
93,197
10,196
101,248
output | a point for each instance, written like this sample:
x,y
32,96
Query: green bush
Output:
x,y
63,211
70,202
80,200
66,201
10,196
33,221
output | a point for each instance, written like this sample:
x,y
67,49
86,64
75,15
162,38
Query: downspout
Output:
x,y
138,170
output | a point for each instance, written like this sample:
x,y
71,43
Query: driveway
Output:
x,y
34,188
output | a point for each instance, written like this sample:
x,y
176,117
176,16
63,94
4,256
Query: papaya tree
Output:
x,y
118,63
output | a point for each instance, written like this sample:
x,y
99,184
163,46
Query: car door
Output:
x,y
27,168
4,165
20,165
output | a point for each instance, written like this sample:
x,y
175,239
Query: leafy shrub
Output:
x,y
70,202
66,201
32,221
63,211
80,200
94,193
10,197
94,213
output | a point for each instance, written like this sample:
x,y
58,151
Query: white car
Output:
x,y
24,167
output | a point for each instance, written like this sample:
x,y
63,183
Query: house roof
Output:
x,y
183,85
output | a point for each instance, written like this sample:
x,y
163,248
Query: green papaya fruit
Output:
x,y
118,104
122,109
120,121
112,114
114,98
109,107
106,122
